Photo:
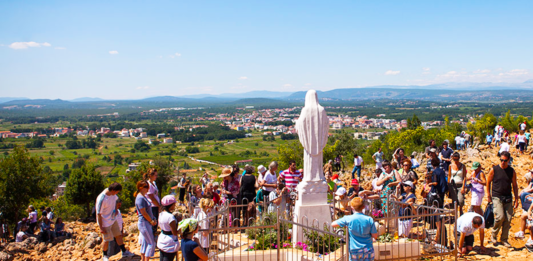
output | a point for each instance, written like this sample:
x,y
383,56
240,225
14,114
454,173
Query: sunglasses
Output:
x,y
504,160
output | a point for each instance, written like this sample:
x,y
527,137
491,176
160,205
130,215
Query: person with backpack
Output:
x,y
457,180
501,183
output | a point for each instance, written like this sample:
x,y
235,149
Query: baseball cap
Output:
x,y
409,183
355,182
261,169
475,165
340,191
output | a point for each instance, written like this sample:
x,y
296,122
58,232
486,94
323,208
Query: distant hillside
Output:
x,y
35,102
264,102
7,99
87,99
422,94
252,94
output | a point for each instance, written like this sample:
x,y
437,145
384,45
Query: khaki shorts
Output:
x,y
111,232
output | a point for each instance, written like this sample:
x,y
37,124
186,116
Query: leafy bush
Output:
x,y
61,208
321,243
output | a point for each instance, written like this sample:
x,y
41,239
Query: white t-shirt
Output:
x,y
358,161
20,236
203,223
105,206
167,243
50,215
523,126
181,183
521,138
458,140
153,191
464,223
375,186
120,222
270,179
504,147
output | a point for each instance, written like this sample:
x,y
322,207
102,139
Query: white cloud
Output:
x,y
391,72
243,78
287,85
307,84
143,87
517,72
25,45
175,55
60,48
482,71
113,52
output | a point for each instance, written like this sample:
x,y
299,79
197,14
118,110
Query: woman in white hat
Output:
x,y
167,242
342,202
408,198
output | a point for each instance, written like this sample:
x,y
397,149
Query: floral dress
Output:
x,y
387,190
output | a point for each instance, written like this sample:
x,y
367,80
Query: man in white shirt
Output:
x,y
504,146
357,166
523,126
106,218
378,158
467,224
458,142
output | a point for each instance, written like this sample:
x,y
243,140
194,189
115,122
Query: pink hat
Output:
x,y
168,200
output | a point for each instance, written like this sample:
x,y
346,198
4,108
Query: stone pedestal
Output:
x,y
311,208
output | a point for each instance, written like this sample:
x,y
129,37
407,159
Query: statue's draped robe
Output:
x,y
312,128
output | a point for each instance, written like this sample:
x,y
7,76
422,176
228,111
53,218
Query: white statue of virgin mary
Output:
x,y
312,128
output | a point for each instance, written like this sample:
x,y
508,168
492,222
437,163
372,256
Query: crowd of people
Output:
x,y
44,227
267,189
447,177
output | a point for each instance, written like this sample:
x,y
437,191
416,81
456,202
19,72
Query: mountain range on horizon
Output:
x,y
372,92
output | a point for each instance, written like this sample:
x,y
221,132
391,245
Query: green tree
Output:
x,y
83,186
290,151
73,144
21,179
117,160
141,146
482,125
413,123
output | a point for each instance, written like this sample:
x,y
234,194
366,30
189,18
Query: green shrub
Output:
x,y
319,242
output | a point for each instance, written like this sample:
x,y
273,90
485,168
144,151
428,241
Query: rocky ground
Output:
x,y
85,243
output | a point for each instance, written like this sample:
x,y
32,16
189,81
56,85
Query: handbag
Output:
x,y
488,216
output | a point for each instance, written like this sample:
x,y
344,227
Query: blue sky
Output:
x,y
137,49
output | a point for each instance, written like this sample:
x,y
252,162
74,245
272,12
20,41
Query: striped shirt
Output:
x,y
105,206
291,178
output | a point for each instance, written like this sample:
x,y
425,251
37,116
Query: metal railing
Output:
x,y
406,232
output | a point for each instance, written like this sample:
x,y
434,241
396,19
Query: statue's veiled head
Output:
x,y
311,98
